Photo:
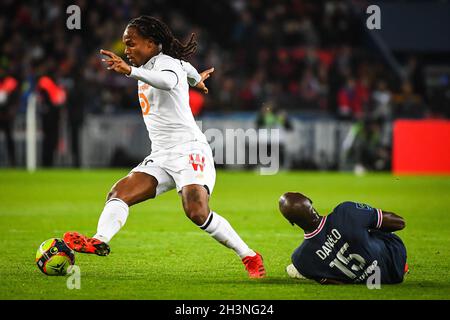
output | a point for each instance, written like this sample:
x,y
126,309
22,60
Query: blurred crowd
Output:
x,y
297,55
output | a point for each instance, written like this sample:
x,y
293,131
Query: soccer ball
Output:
x,y
54,257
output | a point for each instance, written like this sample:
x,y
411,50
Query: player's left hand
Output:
x,y
115,62
205,75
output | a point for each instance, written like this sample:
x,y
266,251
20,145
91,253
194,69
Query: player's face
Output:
x,y
137,48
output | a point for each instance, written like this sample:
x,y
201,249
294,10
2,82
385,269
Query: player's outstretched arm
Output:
x,y
164,80
392,222
196,79
192,74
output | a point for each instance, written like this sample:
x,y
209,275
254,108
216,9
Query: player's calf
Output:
x,y
195,204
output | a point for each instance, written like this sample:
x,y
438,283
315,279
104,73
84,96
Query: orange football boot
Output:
x,y
254,266
83,244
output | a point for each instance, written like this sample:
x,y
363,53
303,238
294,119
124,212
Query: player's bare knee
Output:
x,y
196,211
114,193
119,192
197,216
402,224
114,189
111,194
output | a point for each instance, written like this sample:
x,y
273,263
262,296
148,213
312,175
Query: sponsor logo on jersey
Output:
x,y
197,161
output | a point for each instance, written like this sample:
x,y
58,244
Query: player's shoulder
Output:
x,y
166,60
352,205
164,57
344,206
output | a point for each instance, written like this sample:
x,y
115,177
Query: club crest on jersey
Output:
x,y
363,206
143,87
197,161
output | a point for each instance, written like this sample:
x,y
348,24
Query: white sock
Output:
x,y
220,229
113,217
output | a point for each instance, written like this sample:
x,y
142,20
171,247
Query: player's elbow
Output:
x,y
168,88
397,224
169,80
392,222
401,224
165,85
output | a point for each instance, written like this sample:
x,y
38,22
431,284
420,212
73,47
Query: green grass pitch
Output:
x,y
160,254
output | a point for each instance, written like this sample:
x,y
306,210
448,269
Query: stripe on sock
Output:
x,y
208,222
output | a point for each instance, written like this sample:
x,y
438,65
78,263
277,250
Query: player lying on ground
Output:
x,y
180,158
347,245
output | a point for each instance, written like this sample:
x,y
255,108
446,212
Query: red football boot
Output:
x,y
406,270
254,266
81,243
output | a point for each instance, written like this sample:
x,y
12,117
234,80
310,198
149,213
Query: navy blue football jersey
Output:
x,y
347,246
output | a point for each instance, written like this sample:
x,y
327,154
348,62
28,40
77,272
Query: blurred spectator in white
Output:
x,y
382,104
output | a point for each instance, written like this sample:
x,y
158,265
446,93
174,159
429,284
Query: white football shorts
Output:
x,y
176,167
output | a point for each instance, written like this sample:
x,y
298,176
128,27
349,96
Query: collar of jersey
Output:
x,y
319,228
152,60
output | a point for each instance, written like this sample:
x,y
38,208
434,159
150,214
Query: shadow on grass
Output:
x,y
258,282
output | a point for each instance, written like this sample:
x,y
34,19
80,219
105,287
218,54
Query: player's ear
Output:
x,y
151,44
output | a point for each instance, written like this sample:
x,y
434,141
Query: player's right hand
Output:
x,y
115,62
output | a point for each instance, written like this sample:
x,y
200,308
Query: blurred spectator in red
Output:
x,y
50,99
309,88
9,103
350,100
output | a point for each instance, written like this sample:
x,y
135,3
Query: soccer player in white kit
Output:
x,y
181,157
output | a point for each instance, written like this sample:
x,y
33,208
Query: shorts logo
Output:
x,y
197,161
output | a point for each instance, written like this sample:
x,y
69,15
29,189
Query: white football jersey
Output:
x,y
167,114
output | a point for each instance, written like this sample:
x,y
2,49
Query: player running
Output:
x,y
347,245
180,158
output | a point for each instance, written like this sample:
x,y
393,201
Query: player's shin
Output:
x,y
113,217
221,230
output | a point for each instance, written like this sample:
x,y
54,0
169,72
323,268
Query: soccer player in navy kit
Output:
x,y
347,245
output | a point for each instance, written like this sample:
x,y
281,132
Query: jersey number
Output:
x,y
145,105
353,260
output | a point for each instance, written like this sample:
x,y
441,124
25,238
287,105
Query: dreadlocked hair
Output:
x,y
159,32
